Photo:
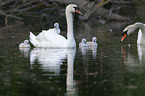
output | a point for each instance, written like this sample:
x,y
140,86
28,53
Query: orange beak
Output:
x,y
79,12
123,37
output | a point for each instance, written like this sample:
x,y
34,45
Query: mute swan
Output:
x,y
25,44
83,43
52,39
40,39
131,28
93,42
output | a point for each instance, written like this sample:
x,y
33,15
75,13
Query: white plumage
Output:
x,y
56,28
83,43
93,42
25,44
52,38
131,28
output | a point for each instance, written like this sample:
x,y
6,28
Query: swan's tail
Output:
x,y
33,39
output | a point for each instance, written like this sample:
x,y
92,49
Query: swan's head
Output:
x,y
56,25
72,8
127,31
26,41
130,29
94,39
84,41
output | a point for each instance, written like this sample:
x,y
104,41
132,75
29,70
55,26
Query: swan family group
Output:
x,y
52,38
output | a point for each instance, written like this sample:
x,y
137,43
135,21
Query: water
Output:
x,y
110,69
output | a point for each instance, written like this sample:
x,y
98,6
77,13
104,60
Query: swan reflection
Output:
x,y
134,61
71,84
25,51
90,49
51,59
141,53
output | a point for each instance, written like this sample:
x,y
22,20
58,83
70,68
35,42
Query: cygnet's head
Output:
x,y
72,8
94,39
56,25
26,41
84,41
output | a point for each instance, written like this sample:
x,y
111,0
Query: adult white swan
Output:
x,y
52,39
131,28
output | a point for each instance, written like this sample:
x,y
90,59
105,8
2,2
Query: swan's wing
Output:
x,y
33,39
51,38
55,39
41,37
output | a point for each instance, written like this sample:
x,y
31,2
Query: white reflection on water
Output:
x,y
25,51
134,61
141,53
83,50
71,84
51,59
92,49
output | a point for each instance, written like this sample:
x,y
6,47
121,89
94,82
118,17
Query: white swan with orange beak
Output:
x,y
53,39
131,28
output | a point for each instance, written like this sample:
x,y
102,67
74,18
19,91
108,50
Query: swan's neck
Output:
x,y
70,35
141,34
140,26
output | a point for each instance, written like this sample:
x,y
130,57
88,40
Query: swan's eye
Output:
x,y
77,10
125,32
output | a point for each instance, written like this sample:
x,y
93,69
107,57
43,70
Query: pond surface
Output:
x,y
111,69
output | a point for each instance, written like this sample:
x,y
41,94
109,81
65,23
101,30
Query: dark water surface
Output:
x,y
111,69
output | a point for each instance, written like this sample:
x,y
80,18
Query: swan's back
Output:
x,y
51,39
55,39
41,36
